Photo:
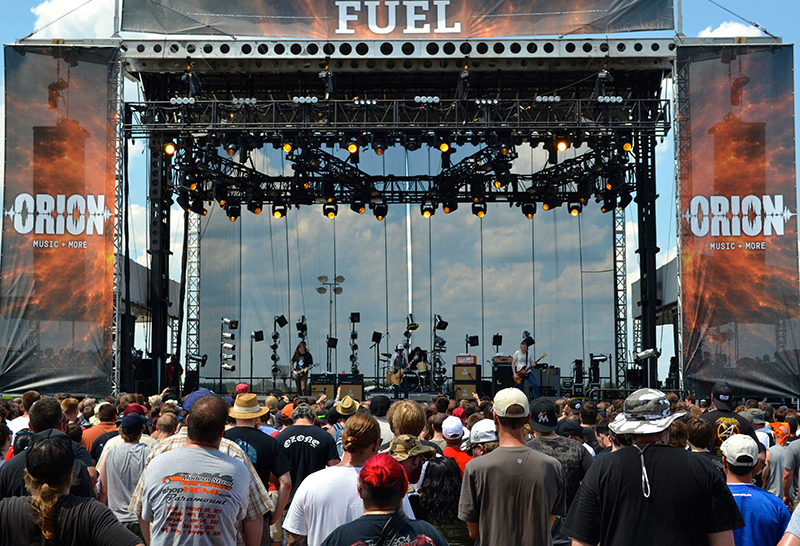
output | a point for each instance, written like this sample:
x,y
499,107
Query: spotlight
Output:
x,y
562,143
352,148
330,210
549,204
198,207
229,367
332,342
479,209
234,212
528,209
288,147
254,207
497,340
625,199
609,202
358,207
439,323
228,347
473,341
355,317
232,325
379,145
444,147
380,210
230,335
411,324
427,208
183,200
450,206
221,195
170,148
625,140
231,148
278,211
281,321
575,209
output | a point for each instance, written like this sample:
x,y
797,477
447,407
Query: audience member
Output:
x,y
438,500
453,432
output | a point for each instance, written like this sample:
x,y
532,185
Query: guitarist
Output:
x,y
399,364
524,363
302,361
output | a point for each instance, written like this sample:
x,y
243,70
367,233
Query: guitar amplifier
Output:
x,y
502,377
466,359
322,378
353,390
350,378
463,391
317,389
503,360
470,373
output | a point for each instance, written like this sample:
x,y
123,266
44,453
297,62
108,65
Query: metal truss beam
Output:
x,y
121,349
193,292
620,299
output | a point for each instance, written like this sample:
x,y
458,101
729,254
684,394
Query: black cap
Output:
x,y
51,458
723,396
575,405
571,428
543,416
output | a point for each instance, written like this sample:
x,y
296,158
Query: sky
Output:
x,y
449,275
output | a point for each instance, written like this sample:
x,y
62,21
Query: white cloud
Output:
x,y
94,20
730,29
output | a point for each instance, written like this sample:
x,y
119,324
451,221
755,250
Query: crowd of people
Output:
x,y
208,470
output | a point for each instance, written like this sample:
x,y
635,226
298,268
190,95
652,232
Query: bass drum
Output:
x,y
413,381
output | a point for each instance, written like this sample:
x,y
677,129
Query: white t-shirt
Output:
x,y
194,496
325,500
523,361
17,424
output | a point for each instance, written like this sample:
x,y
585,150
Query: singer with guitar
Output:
x,y
302,361
399,367
524,363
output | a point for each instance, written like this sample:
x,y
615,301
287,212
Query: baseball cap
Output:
x,y
543,416
723,396
406,446
193,397
50,458
509,397
481,432
134,408
570,428
133,423
575,405
740,450
242,388
759,417
747,416
646,411
452,428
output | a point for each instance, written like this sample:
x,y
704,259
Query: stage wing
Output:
x,y
739,218
58,220
426,19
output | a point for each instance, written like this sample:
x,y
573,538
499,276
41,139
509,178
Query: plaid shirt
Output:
x,y
259,501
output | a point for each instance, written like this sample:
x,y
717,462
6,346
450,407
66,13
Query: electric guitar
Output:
x,y
396,378
520,376
296,374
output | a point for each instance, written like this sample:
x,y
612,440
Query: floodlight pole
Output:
x,y
252,337
221,342
330,287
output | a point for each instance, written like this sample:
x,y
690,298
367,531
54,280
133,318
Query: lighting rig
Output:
x,y
227,354
255,336
279,321
411,326
355,318
438,367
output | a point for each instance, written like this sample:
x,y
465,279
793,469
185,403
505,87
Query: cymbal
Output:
x,y
387,354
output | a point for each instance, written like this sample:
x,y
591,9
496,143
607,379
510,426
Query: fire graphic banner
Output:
x,y
394,19
56,274
739,218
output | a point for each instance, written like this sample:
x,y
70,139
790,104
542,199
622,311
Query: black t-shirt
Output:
x,y
365,532
712,459
308,448
12,478
688,500
79,521
263,450
574,458
303,361
726,424
100,443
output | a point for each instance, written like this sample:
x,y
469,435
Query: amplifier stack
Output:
x,y
466,377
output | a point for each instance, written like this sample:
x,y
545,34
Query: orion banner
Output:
x,y
56,274
394,19
739,218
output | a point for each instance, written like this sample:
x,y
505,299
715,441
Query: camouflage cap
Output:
x,y
405,446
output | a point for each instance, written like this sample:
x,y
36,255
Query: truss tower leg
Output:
x,y
158,245
620,299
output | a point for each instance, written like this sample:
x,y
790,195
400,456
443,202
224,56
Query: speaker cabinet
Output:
x,y
317,389
463,391
469,373
502,377
353,390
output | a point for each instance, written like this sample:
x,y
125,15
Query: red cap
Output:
x,y
242,388
383,470
134,408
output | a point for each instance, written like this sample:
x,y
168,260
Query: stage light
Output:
x,y
473,341
497,340
230,335
198,207
232,324
278,211
234,211
498,184
427,208
479,209
549,204
183,200
609,202
221,194
379,145
228,347
231,148
528,209
357,207
411,324
287,147
355,318
444,147
281,321
380,210
562,144
450,206
170,148
330,210
625,140
627,146
254,207
439,323
352,148
625,199
575,209
229,367
332,342
548,98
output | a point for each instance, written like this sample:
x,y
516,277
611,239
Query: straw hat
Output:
x,y
246,407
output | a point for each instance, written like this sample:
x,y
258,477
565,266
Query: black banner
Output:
x,y
394,19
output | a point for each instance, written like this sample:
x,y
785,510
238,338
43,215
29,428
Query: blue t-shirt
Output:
x,y
765,516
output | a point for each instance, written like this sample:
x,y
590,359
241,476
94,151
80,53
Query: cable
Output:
x,y
583,302
752,23
56,20
300,265
482,302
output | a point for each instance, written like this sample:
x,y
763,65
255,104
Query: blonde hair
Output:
x,y
44,499
68,405
271,402
406,417
360,432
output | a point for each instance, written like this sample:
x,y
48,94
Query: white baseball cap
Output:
x,y
510,397
452,428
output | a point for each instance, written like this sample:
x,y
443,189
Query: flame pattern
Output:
x,y
740,303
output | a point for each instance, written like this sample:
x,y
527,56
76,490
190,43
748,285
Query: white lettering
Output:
x,y
773,212
412,17
24,205
96,206
441,18
751,215
60,209
45,207
391,16
720,226
736,218
76,214
344,16
699,207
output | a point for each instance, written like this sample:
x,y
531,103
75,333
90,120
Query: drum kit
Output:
x,y
418,375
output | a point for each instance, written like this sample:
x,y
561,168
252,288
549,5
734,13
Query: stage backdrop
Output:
x,y
739,218
407,19
56,274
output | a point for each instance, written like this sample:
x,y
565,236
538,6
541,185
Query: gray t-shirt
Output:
x,y
511,493
197,493
124,464
794,524
792,463
777,462
574,458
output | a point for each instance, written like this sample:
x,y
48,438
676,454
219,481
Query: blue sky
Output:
x,y
700,17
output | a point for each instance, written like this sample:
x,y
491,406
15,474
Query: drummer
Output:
x,y
418,359
399,363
